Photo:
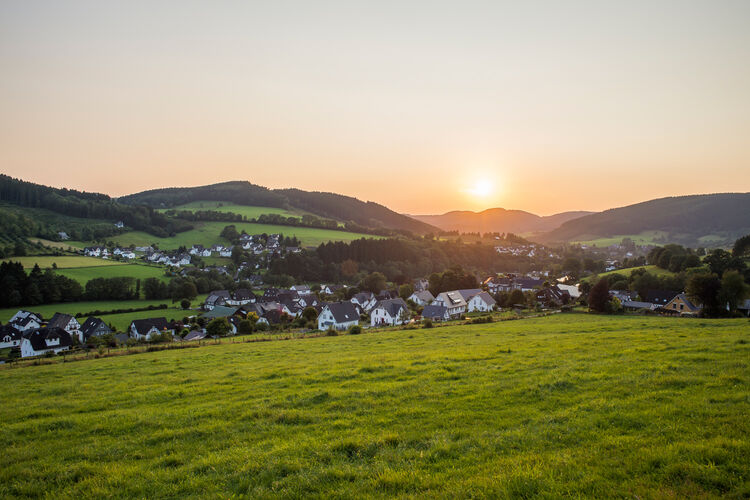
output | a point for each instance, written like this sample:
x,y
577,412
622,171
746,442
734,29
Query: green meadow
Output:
x,y
644,238
577,406
247,211
652,269
207,234
138,271
64,261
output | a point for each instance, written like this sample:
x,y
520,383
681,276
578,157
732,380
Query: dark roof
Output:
x,y
434,312
91,325
38,338
468,293
487,298
26,320
60,320
687,301
142,326
195,335
343,312
243,294
219,312
659,296
424,295
393,306
528,282
221,293
363,296
10,331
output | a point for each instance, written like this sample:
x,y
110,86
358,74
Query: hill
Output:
x,y
697,220
498,220
574,406
330,205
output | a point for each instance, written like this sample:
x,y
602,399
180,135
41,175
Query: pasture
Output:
x,y
207,234
138,271
571,405
63,261
250,212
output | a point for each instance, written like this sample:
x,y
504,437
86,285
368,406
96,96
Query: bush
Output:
x,y
185,303
331,332
427,323
261,326
355,330
481,319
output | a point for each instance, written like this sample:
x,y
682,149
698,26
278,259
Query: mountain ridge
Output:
x,y
500,220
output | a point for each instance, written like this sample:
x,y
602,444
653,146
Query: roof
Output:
x,y
343,312
424,295
142,326
10,331
392,306
659,296
686,300
219,312
452,298
363,297
195,335
486,298
38,338
220,293
243,294
434,311
634,304
60,320
91,325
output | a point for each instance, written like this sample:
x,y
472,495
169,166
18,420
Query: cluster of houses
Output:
x,y
104,253
32,335
661,301
527,250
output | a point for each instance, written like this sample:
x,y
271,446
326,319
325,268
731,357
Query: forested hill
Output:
x,y
83,205
330,205
718,217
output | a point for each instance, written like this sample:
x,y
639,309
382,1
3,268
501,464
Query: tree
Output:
x,y
349,268
599,296
720,260
733,289
310,313
516,297
185,303
703,288
218,327
405,291
245,327
741,247
374,282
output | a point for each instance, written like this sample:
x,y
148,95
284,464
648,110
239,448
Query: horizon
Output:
x,y
542,108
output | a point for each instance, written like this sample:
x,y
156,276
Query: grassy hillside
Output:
x,y
248,211
207,234
138,271
566,406
718,219
63,261
628,271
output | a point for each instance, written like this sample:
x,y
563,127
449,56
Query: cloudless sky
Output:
x,y
424,106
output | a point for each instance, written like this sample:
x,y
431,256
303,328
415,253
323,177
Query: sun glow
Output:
x,y
481,188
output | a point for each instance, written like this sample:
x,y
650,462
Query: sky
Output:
x,y
423,106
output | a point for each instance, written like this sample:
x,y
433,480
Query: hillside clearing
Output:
x,y
250,212
564,406
63,262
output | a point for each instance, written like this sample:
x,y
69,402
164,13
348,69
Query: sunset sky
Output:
x,y
423,106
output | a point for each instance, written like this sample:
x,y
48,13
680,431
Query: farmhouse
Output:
x,y
389,312
364,300
681,305
10,336
67,323
44,340
145,329
422,298
25,320
552,296
482,301
338,315
659,297
455,300
216,298
94,327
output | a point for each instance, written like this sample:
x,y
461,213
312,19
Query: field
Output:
x,y
247,211
138,271
564,406
644,238
63,262
658,271
207,234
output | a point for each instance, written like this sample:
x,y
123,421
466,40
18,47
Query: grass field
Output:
x,y
207,234
247,211
564,406
628,271
644,238
47,310
138,271
63,262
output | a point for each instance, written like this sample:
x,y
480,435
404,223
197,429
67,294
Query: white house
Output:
x,y
339,315
364,300
422,298
455,300
25,320
145,329
482,302
44,340
226,251
67,323
10,336
390,312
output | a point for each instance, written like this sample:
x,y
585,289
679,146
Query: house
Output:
x,y
216,298
331,289
240,297
390,312
526,284
421,298
199,251
421,285
572,290
67,323
301,289
145,329
552,296
496,285
623,295
455,300
10,336
119,224
25,320
308,300
436,312
364,300
338,315
482,302
659,297
63,235
226,251
744,307
45,340
634,305
681,305
93,327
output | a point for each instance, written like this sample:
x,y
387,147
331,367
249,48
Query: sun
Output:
x,y
481,188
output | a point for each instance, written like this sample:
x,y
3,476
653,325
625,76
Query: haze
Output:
x,y
425,107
